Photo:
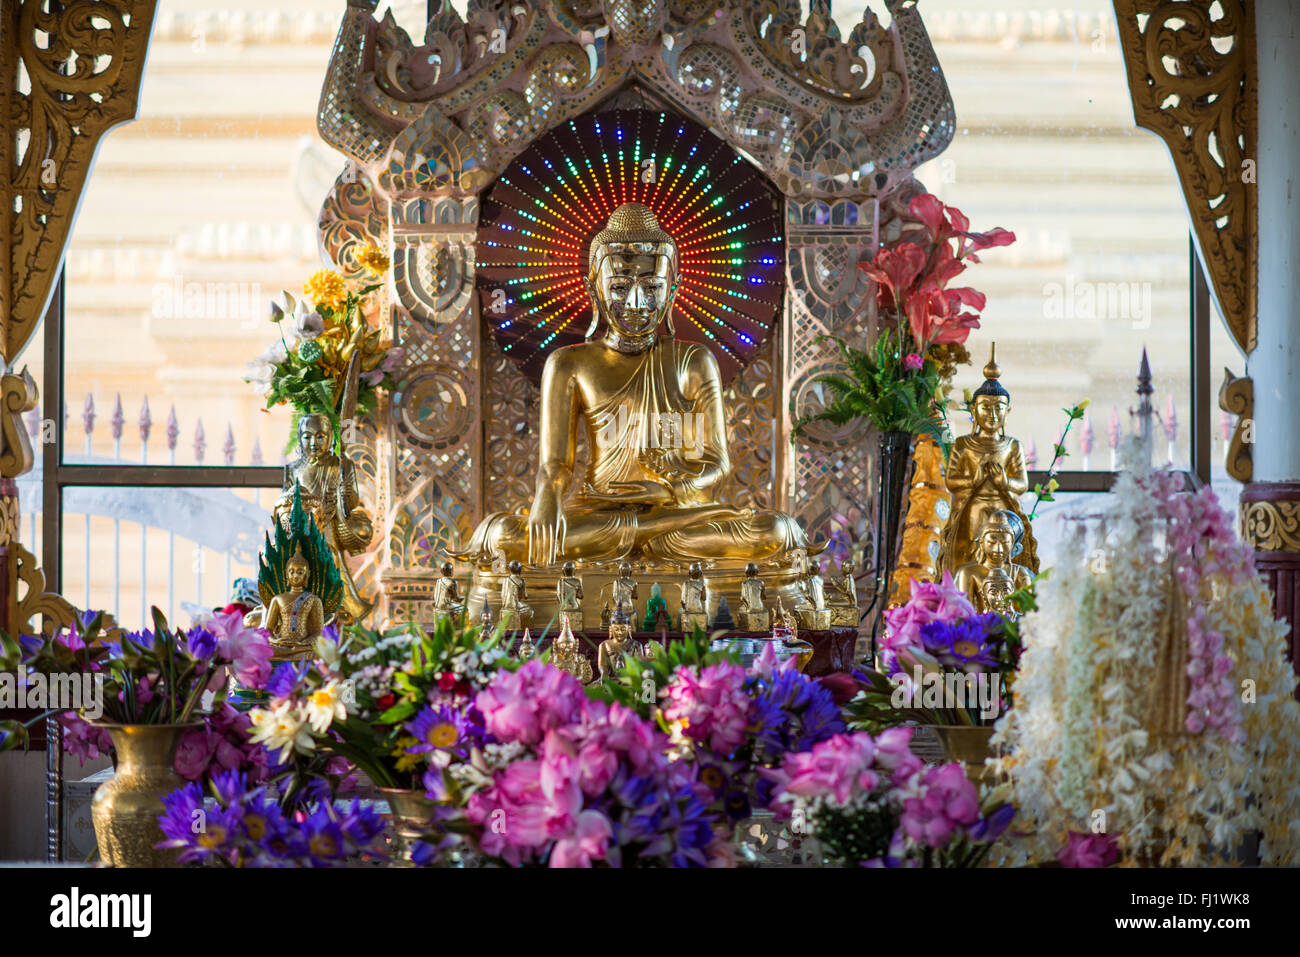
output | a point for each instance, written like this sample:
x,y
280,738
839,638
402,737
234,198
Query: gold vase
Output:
x,y
969,745
411,810
126,807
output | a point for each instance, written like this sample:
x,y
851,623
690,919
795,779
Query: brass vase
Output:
x,y
411,810
126,807
969,745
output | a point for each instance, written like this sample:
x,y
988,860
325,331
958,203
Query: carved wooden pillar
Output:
x,y
1270,522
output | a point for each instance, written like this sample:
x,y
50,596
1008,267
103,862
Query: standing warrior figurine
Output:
x,y
515,612
329,494
568,591
986,473
695,600
753,613
447,602
843,599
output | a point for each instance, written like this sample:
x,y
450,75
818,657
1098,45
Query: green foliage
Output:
x,y
879,387
1043,493
323,579
638,683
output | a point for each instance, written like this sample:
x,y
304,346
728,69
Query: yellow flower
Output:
x,y
406,760
371,258
326,288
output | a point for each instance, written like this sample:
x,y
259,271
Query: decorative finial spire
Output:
x,y
118,421
1144,410
991,371
228,446
255,457
173,430
145,421
200,442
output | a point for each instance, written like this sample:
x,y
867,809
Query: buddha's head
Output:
x,y
696,571
296,570
447,569
991,402
625,570
315,434
847,568
996,539
516,567
997,589
751,570
632,275
568,568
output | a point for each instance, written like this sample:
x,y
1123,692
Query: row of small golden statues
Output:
x,y
648,499
815,609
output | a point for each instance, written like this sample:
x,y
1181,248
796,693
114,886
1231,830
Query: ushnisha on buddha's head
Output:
x,y
315,436
632,276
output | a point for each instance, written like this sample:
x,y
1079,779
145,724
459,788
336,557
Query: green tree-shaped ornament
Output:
x,y
323,579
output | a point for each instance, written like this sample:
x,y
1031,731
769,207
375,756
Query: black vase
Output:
x,y
892,464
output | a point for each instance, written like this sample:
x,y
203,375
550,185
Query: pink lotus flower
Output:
x,y
930,602
1088,850
839,767
524,705
194,753
913,361
947,801
711,703
247,649
588,841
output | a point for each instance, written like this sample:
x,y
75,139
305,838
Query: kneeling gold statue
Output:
x,y
651,407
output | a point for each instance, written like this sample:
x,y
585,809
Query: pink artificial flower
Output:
x,y
913,361
525,704
194,753
839,767
589,841
1088,850
948,800
711,703
247,649
82,739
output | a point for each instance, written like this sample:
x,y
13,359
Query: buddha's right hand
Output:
x,y
546,528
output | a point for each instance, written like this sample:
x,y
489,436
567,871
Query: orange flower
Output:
x,y
371,258
326,288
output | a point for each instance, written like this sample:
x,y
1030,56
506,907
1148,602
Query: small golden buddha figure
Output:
x,y
625,590
568,591
986,473
485,619
295,618
651,408
329,494
995,593
447,602
605,617
614,651
810,608
566,656
695,600
995,549
515,612
525,649
842,599
753,614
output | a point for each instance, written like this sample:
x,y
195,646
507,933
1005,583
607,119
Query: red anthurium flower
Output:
x,y
895,269
930,212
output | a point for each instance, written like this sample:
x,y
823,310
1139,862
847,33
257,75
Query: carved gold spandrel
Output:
x,y
67,106
1271,526
1203,103
56,610
1237,397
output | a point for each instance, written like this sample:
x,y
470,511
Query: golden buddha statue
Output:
x,y
843,598
447,602
614,651
753,614
526,649
995,593
625,590
810,608
515,611
986,473
296,617
329,494
566,656
568,592
695,600
647,491
996,547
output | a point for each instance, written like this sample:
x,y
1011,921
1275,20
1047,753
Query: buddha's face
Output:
x,y
296,574
990,412
633,285
997,543
314,436
997,593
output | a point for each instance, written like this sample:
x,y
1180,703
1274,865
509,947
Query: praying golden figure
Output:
x,y
986,473
651,407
